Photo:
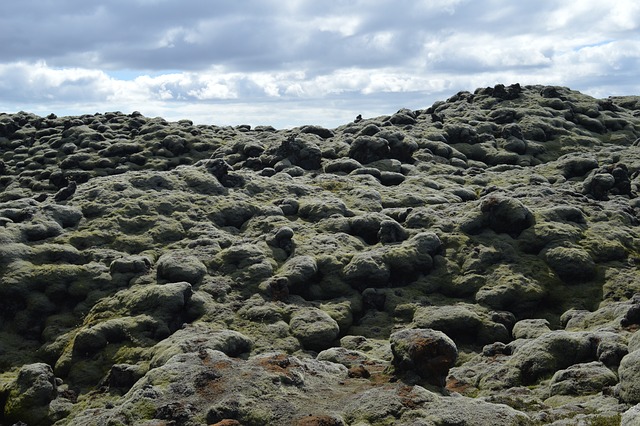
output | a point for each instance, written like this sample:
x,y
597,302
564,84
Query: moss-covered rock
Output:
x,y
315,329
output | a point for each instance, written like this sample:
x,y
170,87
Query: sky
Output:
x,y
287,63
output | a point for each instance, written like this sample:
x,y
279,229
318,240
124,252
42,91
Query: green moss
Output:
x,y
613,420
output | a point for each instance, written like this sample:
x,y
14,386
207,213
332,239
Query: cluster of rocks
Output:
x,y
476,262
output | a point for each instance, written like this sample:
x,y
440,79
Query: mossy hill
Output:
x,y
474,262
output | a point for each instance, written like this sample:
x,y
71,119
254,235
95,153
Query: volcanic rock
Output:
x,y
475,262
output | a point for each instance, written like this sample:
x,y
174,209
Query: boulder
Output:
x,y
582,379
367,269
300,271
631,417
367,149
348,358
629,372
124,376
301,152
317,130
598,185
571,264
530,328
130,265
572,165
461,323
29,396
199,337
314,328
505,215
543,356
174,267
426,353
391,232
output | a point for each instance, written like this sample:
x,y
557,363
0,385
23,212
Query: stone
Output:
x,y
301,152
507,215
629,373
300,271
391,232
317,130
174,267
66,192
367,269
423,352
631,417
571,264
199,337
314,328
66,216
130,265
634,342
530,328
342,165
282,239
551,352
582,379
124,376
460,322
367,149
572,165
29,396
348,358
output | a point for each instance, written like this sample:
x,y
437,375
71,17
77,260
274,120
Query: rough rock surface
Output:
x,y
159,273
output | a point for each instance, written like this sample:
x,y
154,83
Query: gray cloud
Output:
x,y
191,55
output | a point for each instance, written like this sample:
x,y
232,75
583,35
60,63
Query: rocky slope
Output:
x,y
476,262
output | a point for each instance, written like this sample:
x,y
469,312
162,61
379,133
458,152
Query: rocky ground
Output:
x,y
473,263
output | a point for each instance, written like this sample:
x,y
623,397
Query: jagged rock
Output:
x,y
124,376
367,269
423,352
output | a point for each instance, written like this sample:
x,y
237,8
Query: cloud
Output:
x,y
285,61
